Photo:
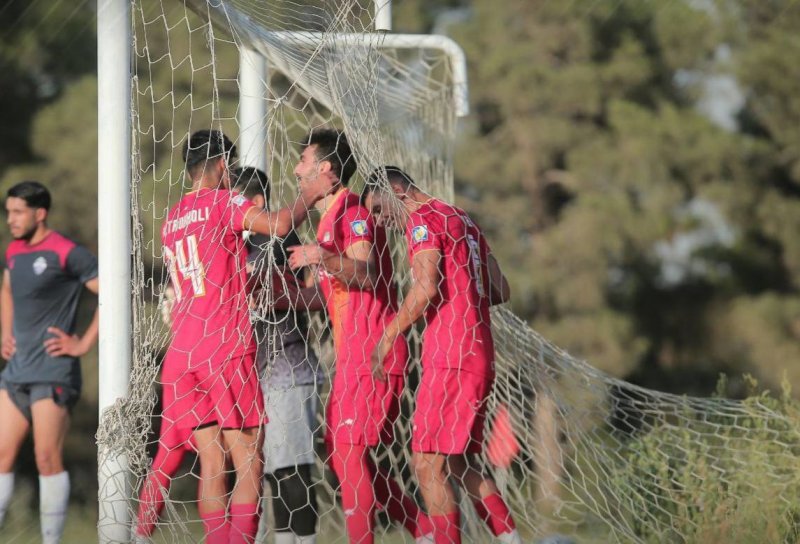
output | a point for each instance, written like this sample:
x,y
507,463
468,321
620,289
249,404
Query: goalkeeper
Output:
x,y
290,376
456,279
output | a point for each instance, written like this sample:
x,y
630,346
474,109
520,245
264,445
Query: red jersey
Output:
x,y
458,329
358,315
205,254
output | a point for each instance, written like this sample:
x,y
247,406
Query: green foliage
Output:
x,y
716,479
588,146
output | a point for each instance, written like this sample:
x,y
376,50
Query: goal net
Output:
x,y
575,452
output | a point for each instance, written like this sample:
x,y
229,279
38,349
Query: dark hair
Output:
x,y
205,145
332,146
33,193
394,174
250,181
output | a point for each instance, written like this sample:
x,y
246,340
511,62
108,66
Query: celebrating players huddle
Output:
x,y
240,382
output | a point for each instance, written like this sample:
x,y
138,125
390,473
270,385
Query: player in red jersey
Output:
x,y
455,280
355,276
216,389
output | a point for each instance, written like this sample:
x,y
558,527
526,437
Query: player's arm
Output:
x,y
307,299
277,223
356,267
424,292
9,344
73,345
499,290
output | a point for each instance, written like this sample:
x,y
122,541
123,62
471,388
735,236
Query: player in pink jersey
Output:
x,y
215,387
355,276
455,281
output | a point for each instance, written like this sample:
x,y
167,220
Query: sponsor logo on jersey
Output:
x,y
419,234
359,227
39,266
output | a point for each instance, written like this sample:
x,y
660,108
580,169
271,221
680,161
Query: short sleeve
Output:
x,y
82,264
356,226
424,232
237,209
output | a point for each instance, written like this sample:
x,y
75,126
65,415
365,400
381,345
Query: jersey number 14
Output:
x,y
188,264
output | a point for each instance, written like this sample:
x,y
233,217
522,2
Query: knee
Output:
x,y
424,469
48,460
212,462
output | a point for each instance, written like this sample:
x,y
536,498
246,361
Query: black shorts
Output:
x,y
23,395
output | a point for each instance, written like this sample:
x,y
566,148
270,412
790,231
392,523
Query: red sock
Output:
x,y
244,523
446,528
349,462
400,507
156,487
494,512
216,526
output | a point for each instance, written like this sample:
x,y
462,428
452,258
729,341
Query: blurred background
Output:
x,y
635,164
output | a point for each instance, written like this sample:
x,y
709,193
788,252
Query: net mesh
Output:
x,y
574,452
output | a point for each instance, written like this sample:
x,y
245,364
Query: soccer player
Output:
x,y
354,270
216,391
290,375
45,275
455,280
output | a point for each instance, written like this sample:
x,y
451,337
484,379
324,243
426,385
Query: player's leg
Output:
x,y
171,451
439,496
212,488
480,486
14,426
400,507
294,505
239,405
482,490
50,416
244,449
288,460
350,463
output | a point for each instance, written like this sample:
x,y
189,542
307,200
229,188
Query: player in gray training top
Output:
x,y
45,274
290,373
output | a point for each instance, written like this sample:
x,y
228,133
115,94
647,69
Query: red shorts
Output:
x,y
226,393
361,410
450,411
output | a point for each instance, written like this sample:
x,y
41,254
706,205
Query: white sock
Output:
x,y
53,501
308,539
6,490
284,537
511,537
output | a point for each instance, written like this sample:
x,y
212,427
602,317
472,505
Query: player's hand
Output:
x,y
64,344
305,255
166,303
378,356
8,347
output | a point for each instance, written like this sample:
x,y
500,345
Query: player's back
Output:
x,y
206,255
457,325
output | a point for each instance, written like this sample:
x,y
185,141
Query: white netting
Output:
x,y
574,451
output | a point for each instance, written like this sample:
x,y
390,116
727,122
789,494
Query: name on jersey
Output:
x,y
192,216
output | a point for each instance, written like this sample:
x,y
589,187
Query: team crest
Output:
x,y
419,234
359,227
39,266
326,237
239,200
